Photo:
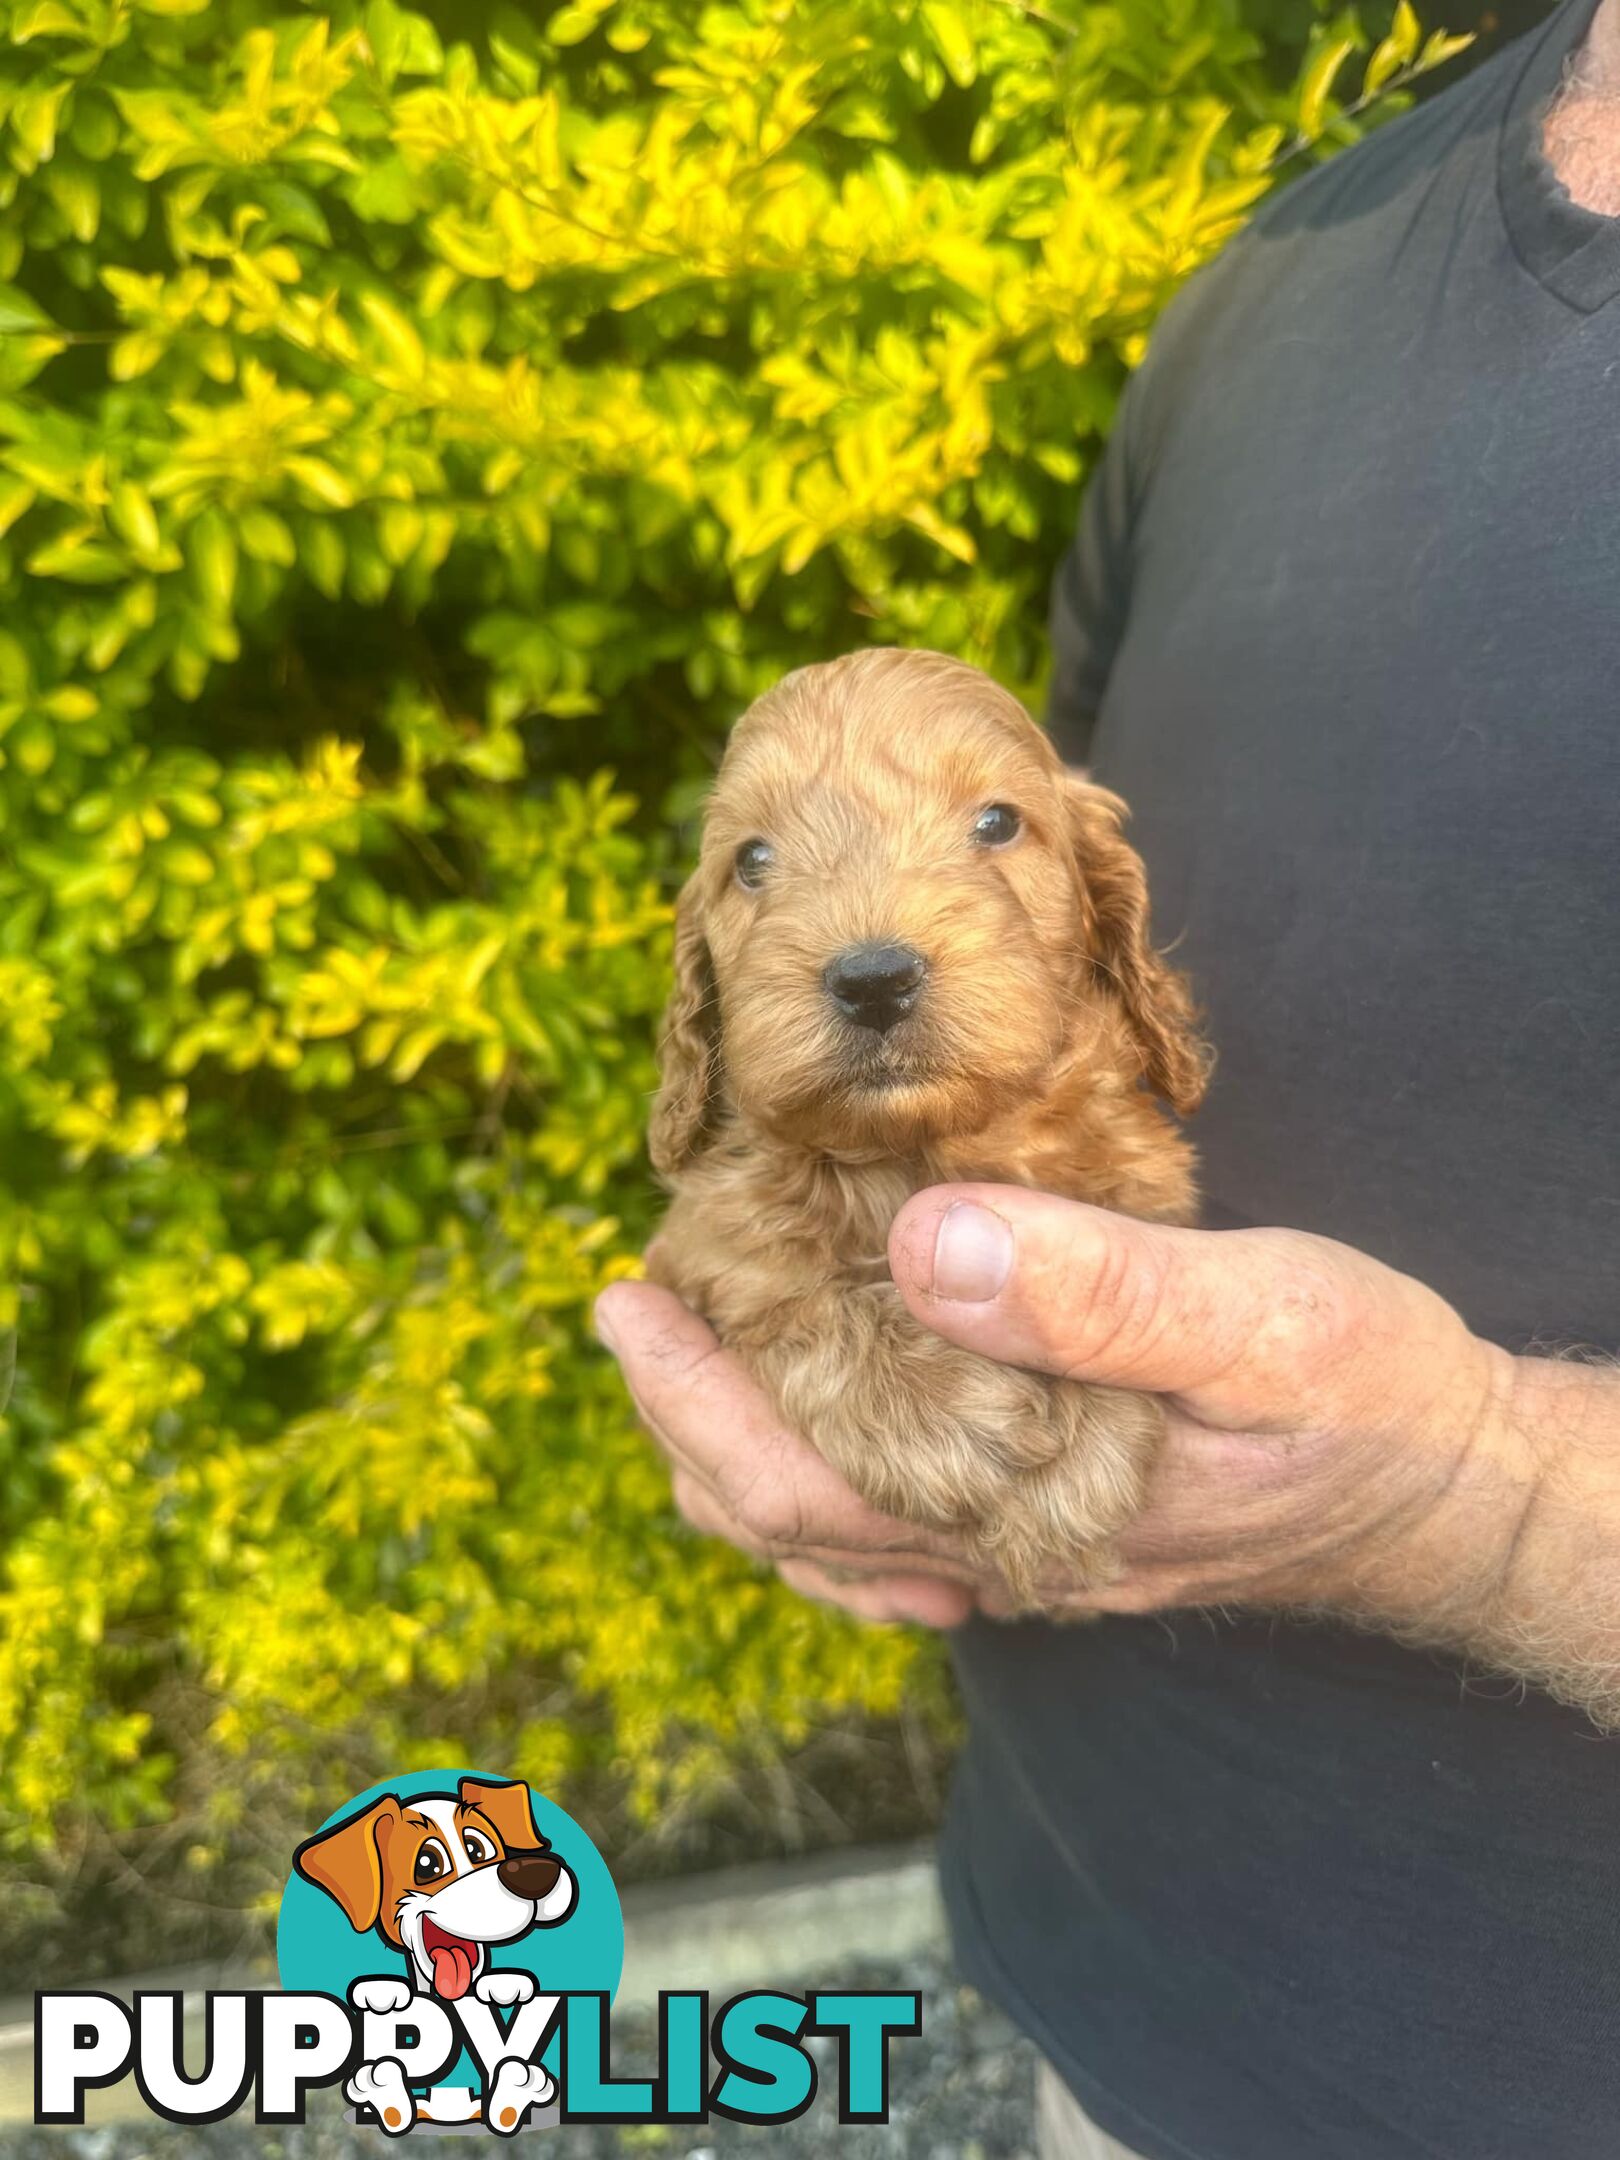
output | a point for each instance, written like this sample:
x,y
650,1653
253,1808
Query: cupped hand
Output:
x,y
1336,1437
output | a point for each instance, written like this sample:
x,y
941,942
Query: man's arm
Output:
x,y
1338,1439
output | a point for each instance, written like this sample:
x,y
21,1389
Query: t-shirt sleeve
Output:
x,y
1091,598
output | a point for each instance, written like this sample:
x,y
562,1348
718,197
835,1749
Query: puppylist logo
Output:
x,y
449,1945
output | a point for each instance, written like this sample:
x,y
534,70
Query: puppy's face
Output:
x,y
891,935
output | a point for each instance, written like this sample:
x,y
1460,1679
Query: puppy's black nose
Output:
x,y
529,1874
875,985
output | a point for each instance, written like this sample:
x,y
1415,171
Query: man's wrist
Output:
x,y
1521,1537
1442,1573
1555,1614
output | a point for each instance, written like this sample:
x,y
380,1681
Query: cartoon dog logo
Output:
x,y
441,1877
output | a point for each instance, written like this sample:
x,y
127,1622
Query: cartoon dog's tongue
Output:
x,y
452,1961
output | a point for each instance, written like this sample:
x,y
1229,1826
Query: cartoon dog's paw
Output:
x,y
381,2087
517,2087
504,1987
382,1996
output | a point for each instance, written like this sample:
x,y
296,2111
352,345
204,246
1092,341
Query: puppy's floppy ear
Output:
x,y
508,1806
346,1861
1113,893
690,1045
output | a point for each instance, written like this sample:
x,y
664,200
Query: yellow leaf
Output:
x,y
953,40
1441,47
322,481
134,355
1397,51
133,518
16,496
1317,82
403,345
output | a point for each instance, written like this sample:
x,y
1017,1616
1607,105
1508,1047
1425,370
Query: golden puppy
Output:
x,y
915,950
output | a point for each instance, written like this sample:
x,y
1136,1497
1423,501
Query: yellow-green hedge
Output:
x,y
412,453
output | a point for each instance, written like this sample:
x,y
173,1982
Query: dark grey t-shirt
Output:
x,y
1343,625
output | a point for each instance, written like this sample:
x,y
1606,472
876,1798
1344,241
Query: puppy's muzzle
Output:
x,y
875,985
531,1875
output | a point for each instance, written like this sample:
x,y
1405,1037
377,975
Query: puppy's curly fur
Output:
x,y
790,1134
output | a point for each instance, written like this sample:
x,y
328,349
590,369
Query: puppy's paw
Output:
x,y
504,1987
382,1996
382,2088
517,2087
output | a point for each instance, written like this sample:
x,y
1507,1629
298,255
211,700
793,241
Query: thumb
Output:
x,y
1247,1327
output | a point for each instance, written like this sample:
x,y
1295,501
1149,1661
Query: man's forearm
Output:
x,y
1520,1564
1556,1616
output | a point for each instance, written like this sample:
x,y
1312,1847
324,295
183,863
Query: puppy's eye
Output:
x,y
996,824
432,1862
479,1849
753,859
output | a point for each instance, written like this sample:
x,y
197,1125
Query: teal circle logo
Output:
x,y
452,1886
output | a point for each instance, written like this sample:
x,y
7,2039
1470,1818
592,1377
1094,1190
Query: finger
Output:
x,y
1242,1325
699,1507
720,1426
923,1600
954,1579
684,1384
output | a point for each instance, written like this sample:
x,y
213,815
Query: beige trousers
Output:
x,y
1063,2129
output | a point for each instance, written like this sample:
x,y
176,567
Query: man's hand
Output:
x,y
1327,1418
1337,1438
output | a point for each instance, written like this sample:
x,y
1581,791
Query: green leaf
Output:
x,y
34,114
77,195
402,43
80,558
21,359
385,190
321,551
20,311
49,18
295,212
267,538
211,550
94,129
